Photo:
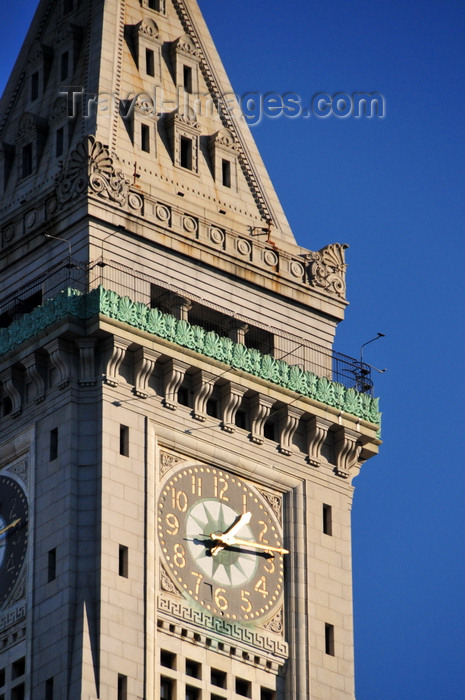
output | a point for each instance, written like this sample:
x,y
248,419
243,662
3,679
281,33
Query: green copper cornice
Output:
x,y
71,303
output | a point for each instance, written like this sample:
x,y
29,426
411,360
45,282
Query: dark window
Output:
x,y
166,689
145,138
52,565
35,86
218,678
154,5
2,677
17,693
243,687
149,62
53,444
27,160
266,694
327,519
193,669
60,142
187,79
240,418
167,659
124,440
122,687
226,172
64,65
186,153
269,430
68,6
123,561
192,693
329,639
212,408
18,668
49,689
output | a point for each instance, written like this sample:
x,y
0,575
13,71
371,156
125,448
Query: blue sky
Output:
x,y
393,189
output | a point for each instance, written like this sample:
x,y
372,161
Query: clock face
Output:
x,y
13,534
235,580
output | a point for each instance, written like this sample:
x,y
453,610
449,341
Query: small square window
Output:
x,y
150,62
243,688
329,639
327,519
27,160
18,668
123,562
17,693
167,659
166,689
192,693
53,444
124,440
145,138
34,86
218,678
193,669
186,153
266,694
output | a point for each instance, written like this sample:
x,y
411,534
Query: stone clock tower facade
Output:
x,y
177,437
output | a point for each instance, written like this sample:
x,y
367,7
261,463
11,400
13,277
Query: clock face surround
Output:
x,y
238,581
13,534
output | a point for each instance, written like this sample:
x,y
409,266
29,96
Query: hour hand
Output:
x,y
256,545
10,526
227,538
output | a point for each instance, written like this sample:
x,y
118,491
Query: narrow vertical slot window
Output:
x,y
226,172
186,153
327,519
64,65
34,86
187,79
329,639
49,689
123,563
60,142
27,160
124,440
122,687
52,565
145,138
149,62
53,444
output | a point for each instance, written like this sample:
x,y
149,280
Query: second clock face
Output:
x,y
237,581
13,534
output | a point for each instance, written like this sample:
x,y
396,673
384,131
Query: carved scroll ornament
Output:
x,y
91,168
328,269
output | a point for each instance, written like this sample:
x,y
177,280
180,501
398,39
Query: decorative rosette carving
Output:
x,y
91,168
328,269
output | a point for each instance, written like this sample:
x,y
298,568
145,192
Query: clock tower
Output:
x,y
178,437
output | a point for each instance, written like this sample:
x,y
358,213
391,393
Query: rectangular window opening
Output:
x,y
53,444
226,172
52,565
124,440
49,689
192,693
64,65
145,138
122,687
329,639
35,86
327,519
123,561
18,668
193,668
150,62
243,688
267,694
2,677
60,142
27,160
154,5
18,692
167,659
218,678
166,689
186,153
187,79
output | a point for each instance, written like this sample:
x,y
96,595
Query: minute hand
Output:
x,y
11,525
256,545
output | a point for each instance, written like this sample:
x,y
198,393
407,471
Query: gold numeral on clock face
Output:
x,y
263,531
246,604
260,587
172,524
196,486
221,601
221,486
179,556
270,566
198,582
179,500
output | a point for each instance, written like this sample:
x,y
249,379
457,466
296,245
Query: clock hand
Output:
x,y
228,534
10,526
248,543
